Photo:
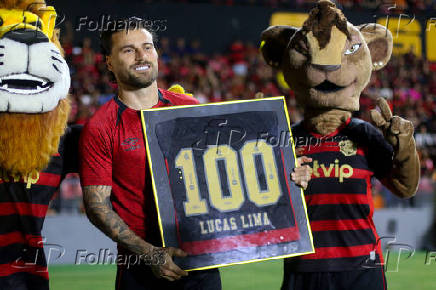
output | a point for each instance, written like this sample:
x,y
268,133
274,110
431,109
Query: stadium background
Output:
x,y
211,48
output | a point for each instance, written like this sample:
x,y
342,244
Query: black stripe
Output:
x,y
337,211
332,264
56,68
332,185
29,225
17,192
54,58
55,165
34,282
121,108
162,99
343,238
24,253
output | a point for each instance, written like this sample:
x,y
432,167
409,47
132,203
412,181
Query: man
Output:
x,y
114,175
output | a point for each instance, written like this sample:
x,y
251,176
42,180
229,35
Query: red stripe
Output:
x,y
289,189
357,173
339,225
20,266
23,208
19,238
336,198
248,240
339,252
175,210
325,147
168,168
49,179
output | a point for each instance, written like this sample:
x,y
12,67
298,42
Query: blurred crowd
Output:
x,y
408,83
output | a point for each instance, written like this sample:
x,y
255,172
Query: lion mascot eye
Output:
x,y
353,49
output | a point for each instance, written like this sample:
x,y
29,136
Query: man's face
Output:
x,y
133,58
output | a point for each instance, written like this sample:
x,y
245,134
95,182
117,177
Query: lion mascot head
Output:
x,y
34,84
328,62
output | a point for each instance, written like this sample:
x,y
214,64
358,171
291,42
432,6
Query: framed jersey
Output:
x,y
221,181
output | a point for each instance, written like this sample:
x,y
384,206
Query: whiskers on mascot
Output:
x,y
327,63
34,83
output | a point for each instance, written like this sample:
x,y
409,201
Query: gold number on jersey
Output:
x,y
230,157
258,196
194,205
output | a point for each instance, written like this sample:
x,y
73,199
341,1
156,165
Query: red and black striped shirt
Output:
x,y
339,198
23,206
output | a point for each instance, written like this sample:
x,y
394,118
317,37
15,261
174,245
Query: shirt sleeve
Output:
x,y
95,155
380,152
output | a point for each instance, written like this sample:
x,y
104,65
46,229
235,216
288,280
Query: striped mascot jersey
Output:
x,y
23,205
339,198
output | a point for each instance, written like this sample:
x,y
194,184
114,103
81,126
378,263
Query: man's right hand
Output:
x,y
168,270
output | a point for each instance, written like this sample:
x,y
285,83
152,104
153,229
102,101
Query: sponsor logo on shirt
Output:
x,y
334,170
130,144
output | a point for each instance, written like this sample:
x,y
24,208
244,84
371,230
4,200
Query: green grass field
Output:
x,y
412,274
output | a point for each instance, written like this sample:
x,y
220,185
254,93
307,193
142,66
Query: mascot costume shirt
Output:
x,y
327,63
35,152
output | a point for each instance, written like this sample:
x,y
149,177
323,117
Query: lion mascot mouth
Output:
x,y
34,84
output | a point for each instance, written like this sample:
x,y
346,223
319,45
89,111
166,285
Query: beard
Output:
x,y
139,81
28,141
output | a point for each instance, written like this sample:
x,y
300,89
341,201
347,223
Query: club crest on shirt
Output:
x,y
348,148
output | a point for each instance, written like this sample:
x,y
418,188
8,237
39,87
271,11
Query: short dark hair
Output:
x,y
115,26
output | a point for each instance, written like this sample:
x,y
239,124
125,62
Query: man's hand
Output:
x,y
168,270
302,174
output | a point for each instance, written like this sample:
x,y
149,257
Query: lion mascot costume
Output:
x,y
35,152
327,63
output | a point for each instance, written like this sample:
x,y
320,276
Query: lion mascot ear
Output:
x,y
380,43
34,84
274,42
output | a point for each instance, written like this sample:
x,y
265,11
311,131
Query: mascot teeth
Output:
x,y
24,84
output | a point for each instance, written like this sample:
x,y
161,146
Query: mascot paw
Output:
x,y
397,131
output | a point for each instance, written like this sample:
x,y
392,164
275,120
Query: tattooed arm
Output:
x,y
100,213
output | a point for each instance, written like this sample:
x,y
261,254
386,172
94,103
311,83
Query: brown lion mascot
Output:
x,y
327,63
35,151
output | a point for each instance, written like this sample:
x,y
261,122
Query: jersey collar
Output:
x,y
162,100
